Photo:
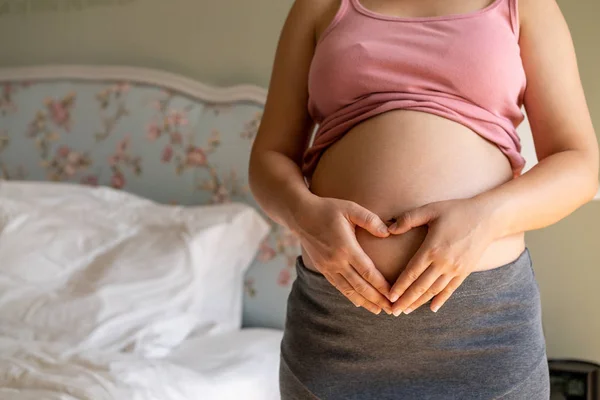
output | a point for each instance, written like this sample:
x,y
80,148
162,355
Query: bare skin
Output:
x,y
430,159
446,192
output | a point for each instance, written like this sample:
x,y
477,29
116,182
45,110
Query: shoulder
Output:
x,y
316,8
316,14
532,12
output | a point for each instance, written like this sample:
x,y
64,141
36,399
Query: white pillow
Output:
x,y
103,269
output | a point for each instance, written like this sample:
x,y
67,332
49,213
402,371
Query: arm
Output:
x,y
567,175
274,173
326,227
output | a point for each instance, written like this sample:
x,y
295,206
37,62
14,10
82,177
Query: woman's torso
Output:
x,y
403,159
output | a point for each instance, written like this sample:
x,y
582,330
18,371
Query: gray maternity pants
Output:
x,y
485,343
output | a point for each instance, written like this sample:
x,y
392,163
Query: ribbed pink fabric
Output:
x,y
463,67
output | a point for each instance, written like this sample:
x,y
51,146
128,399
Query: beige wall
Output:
x,y
230,41
218,41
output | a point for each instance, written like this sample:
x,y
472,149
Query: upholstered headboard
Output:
x,y
156,134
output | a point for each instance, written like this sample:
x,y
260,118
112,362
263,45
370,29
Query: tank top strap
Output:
x,y
513,6
343,8
355,5
509,11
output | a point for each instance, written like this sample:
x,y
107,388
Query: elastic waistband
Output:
x,y
518,270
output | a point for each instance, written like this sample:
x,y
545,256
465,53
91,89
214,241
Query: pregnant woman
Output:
x,y
411,203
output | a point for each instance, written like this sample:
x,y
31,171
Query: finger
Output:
x,y
439,300
342,285
363,264
417,289
367,220
419,262
367,291
412,219
435,289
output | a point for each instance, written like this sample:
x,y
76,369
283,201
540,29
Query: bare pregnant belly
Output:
x,y
401,160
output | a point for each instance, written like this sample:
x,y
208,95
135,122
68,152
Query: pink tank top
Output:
x,y
464,67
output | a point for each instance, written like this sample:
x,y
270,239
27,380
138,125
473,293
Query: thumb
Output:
x,y
412,219
367,220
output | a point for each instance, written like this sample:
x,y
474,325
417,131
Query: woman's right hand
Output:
x,y
327,231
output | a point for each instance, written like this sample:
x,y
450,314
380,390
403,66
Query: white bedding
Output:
x,y
237,365
101,269
108,296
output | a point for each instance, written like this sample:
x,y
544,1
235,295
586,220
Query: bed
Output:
x,y
135,263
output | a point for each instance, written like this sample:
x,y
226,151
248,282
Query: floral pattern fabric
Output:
x,y
151,141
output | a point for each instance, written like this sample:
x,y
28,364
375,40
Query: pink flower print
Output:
x,y
121,87
221,195
113,160
59,113
74,157
8,90
153,131
291,260
73,160
249,286
91,180
195,157
70,169
122,145
118,180
167,154
63,151
177,118
284,277
120,152
176,138
215,138
266,252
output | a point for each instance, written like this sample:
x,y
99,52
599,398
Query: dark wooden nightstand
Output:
x,y
574,380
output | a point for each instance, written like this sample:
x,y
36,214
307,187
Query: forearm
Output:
x,y
278,186
550,191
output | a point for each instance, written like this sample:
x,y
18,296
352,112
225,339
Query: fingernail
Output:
x,y
394,297
392,227
435,309
383,229
397,313
408,311
388,311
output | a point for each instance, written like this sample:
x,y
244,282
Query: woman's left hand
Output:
x,y
459,231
